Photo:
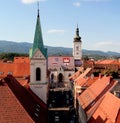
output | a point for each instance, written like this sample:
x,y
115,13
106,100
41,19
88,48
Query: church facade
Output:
x,y
38,65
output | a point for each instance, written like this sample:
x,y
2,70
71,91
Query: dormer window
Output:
x,y
10,73
1,73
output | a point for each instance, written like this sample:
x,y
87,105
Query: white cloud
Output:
x,y
107,46
56,31
31,1
77,4
104,43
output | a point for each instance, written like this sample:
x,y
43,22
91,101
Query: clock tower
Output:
x,y
77,51
38,64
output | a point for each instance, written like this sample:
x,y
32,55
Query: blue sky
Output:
x,y
98,21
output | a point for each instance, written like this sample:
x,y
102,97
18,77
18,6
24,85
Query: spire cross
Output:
x,y
38,7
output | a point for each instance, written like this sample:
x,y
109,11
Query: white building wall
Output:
x,y
38,64
77,52
40,88
66,75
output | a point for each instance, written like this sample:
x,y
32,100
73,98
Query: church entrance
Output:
x,y
60,77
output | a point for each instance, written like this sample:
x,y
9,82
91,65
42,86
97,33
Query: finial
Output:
x,y
38,7
77,31
77,25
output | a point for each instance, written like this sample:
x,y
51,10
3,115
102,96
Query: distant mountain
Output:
x,y
23,47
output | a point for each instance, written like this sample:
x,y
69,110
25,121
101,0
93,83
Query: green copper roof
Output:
x,y
38,40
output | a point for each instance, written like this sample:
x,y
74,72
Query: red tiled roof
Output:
x,y
36,109
107,111
118,117
19,68
83,74
23,82
95,91
11,111
108,61
21,60
76,74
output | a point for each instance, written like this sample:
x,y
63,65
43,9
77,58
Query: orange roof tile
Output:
x,y
83,74
11,111
87,98
33,105
86,81
21,60
17,68
76,74
118,117
107,111
23,82
108,61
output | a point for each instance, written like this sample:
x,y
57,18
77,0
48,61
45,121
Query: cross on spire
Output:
x,y
38,7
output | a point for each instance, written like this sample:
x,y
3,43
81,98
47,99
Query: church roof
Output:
x,y
18,104
38,40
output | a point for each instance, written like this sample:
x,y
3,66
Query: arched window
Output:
x,y
60,77
38,74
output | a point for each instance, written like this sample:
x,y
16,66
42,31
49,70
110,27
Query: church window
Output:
x,y
38,74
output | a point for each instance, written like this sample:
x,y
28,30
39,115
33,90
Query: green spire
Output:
x,y
38,40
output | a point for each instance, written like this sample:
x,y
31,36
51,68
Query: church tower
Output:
x,y
38,64
77,51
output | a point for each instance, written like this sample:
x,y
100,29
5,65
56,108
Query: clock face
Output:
x,y
77,53
77,48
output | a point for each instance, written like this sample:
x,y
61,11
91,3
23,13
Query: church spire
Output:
x,y
38,40
38,8
77,37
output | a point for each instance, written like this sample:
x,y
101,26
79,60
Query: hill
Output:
x,y
23,47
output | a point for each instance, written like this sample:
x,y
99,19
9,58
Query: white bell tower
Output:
x,y
77,50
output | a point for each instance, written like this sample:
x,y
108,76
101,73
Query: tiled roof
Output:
x,y
36,109
11,111
86,81
20,67
107,111
111,61
118,117
76,74
94,92
84,74
21,60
